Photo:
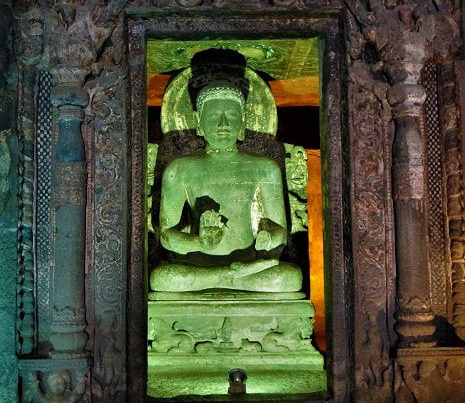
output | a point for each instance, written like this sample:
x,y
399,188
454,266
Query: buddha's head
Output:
x,y
218,90
220,116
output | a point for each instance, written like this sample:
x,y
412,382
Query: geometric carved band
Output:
x,y
69,317
71,183
414,306
44,188
409,183
416,317
435,199
73,196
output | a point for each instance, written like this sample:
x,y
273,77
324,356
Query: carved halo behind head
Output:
x,y
177,112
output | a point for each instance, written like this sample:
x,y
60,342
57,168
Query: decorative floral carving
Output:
x,y
190,3
283,3
106,133
369,120
29,46
435,376
454,195
50,382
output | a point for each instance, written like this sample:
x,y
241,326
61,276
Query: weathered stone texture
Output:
x,y
8,221
8,262
430,375
382,48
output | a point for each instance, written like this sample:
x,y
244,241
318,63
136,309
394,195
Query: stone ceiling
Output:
x,y
280,58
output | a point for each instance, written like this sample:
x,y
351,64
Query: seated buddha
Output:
x,y
237,227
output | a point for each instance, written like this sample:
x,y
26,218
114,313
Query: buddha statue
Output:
x,y
222,297
237,227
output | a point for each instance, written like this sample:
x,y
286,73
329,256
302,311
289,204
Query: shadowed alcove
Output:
x,y
297,96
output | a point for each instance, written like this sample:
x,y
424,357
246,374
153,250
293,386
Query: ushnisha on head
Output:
x,y
215,69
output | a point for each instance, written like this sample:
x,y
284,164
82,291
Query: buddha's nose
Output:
x,y
223,122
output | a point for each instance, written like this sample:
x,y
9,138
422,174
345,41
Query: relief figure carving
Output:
x,y
60,386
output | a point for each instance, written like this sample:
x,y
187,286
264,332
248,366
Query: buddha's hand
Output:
x,y
267,240
211,229
263,241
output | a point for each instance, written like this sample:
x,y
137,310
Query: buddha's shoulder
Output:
x,y
259,161
185,162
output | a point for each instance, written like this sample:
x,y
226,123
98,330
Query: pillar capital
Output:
x,y
68,90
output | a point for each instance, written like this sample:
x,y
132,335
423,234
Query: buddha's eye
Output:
x,y
233,115
213,115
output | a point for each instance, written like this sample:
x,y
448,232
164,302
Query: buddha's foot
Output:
x,y
262,275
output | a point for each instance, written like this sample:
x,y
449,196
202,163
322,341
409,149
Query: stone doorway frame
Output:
x,y
335,162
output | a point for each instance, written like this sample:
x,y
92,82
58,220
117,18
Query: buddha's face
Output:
x,y
221,122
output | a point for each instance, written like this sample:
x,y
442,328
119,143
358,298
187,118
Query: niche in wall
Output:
x,y
291,68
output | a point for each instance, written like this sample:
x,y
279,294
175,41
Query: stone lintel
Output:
x,y
430,353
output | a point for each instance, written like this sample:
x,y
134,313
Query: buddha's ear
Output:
x,y
241,136
197,121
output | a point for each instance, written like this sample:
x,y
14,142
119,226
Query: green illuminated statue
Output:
x,y
238,205
222,298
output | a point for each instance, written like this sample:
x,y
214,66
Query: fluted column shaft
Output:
x,y
406,96
69,187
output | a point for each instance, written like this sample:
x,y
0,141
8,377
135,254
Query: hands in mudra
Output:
x,y
211,229
264,241
267,240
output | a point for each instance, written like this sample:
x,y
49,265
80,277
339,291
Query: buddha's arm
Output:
x,y
180,242
173,197
174,194
272,228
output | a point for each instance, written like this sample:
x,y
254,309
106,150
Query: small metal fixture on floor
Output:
x,y
237,379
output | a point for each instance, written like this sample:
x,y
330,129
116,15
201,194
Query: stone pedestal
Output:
x,y
195,342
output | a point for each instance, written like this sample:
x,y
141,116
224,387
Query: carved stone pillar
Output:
x,y
414,321
29,48
69,187
453,121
